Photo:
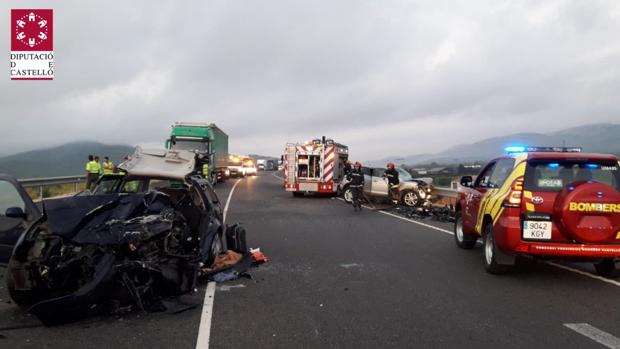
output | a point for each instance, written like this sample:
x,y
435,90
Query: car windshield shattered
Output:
x,y
135,241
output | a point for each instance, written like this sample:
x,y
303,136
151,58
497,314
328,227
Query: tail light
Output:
x,y
516,192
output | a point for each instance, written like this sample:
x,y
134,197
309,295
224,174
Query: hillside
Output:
x,y
597,138
64,160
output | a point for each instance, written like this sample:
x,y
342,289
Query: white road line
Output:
x,y
596,335
567,268
418,223
585,273
228,200
278,177
204,331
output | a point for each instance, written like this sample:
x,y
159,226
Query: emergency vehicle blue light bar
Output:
x,y
514,149
529,149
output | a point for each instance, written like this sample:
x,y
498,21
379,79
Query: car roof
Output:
x,y
561,156
160,163
573,156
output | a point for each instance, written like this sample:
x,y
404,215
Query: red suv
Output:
x,y
553,202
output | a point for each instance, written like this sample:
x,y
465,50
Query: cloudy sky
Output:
x,y
384,77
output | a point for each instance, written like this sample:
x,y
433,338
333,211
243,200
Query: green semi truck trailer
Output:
x,y
209,143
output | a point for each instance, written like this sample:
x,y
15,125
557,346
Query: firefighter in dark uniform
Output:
x,y
347,168
356,183
393,183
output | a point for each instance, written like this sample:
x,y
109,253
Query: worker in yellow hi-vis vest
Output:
x,y
108,166
205,170
92,172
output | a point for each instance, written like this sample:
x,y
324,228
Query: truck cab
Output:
x,y
208,142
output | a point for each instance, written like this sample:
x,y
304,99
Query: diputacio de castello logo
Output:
x,y
32,44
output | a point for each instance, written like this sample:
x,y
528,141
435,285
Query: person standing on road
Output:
x,y
205,170
393,183
108,166
98,162
347,168
92,172
356,183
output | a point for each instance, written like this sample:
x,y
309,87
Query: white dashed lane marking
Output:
x,y
596,335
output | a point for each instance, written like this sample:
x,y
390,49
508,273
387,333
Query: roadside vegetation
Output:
x,y
55,190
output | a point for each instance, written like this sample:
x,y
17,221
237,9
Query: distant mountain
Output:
x,y
596,138
64,160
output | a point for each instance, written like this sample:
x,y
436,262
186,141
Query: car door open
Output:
x,y
17,212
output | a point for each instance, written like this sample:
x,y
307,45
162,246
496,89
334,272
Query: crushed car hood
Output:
x,y
160,163
109,219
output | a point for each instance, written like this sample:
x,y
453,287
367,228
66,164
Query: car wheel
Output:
x,y
464,241
347,194
410,198
607,268
492,254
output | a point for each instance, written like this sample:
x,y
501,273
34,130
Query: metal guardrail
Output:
x,y
446,192
451,192
48,181
41,183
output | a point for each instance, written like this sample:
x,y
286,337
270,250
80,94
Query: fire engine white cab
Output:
x,y
314,167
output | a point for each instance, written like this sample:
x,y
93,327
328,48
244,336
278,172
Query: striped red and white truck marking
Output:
x,y
329,155
324,183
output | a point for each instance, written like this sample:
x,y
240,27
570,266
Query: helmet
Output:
x,y
390,165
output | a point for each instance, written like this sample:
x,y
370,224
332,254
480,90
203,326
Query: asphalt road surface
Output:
x,y
339,278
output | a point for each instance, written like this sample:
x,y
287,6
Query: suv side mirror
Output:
x,y
467,181
15,212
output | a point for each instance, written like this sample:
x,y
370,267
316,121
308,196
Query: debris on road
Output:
x,y
442,214
233,265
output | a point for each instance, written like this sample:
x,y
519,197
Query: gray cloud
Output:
x,y
389,77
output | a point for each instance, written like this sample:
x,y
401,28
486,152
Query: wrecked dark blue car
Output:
x,y
135,240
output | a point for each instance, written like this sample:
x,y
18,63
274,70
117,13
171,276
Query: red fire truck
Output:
x,y
316,166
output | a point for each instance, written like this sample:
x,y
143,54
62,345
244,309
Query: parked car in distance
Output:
x,y
413,191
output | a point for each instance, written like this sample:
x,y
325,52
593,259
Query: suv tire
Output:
x,y
607,268
492,254
464,241
347,194
410,198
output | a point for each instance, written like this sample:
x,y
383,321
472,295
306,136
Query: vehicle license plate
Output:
x,y
308,187
537,230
